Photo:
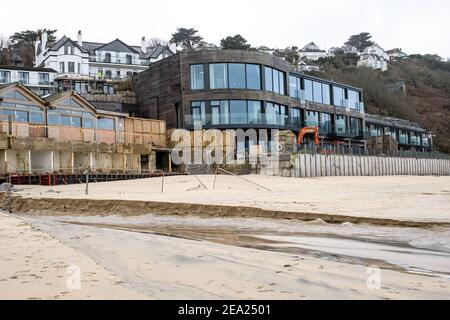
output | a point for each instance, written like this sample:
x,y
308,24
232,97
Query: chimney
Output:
x,y
36,46
144,45
80,39
44,38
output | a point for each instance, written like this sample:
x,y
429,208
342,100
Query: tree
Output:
x,y
28,38
360,41
235,43
292,56
156,42
188,39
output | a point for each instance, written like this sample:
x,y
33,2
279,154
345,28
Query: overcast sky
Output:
x,y
417,26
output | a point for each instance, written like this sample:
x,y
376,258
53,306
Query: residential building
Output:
x,y
65,134
397,54
234,89
312,52
373,61
89,67
41,81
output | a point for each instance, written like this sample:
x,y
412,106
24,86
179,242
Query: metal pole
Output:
x,y
87,183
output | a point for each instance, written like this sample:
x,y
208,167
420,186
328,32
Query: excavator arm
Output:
x,y
309,130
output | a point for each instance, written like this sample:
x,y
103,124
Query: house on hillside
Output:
x,y
375,49
303,66
397,86
397,54
312,52
373,61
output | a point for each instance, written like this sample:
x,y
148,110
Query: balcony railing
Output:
x,y
238,119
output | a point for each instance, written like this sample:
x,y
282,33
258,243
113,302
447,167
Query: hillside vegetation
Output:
x,y
427,97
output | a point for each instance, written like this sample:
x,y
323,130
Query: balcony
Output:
x,y
239,120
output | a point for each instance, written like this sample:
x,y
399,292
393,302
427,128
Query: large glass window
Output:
x,y
355,126
325,123
105,124
325,93
311,118
338,96
254,112
253,76
218,75
36,117
71,67
296,119
236,73
238,111
215,112
317,92
308,90
340,124
353,99
268,74
44,78
270,113
198,111
197,77
294,87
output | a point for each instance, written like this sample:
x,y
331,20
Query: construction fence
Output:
x,y
322,165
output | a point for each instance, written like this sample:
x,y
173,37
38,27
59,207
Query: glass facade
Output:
x,y
198,111
338,96
340,125
294,87
234,76
311,118
197,77
296,118
325,123
274,80
355,126
353,99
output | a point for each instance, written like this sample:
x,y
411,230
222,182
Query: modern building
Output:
x,y
64,134
94,67
41,81
233,89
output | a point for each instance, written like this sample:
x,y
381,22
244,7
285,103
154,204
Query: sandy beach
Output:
x,y
408,198
119,262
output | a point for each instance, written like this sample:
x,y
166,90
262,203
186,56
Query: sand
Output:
x,y
148,265
33,265
403,198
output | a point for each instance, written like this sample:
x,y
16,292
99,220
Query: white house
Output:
x,y
83,61
373,61
397,54
312,52
375,49
40,80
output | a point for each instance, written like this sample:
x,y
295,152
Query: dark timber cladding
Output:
x,y
159,91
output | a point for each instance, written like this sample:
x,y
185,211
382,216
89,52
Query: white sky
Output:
x,y
417,26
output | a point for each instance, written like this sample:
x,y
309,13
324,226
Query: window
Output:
x,y
317,91
105,124
61,67
129,59
253,77
107,58
75,122
341,127
353,99
274,80
296,119
338,96
218,76
325,123
236,73
254,112
79,68
198,111
44,78
71,67
36,117
197,77
108,74
311,119
308,90
215,112
65,121
275,114
5,76
224,112
294,87
53,119
238,111
268,72
24,77
325,93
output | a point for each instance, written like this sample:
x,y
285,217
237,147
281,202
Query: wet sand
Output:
x,y
193,258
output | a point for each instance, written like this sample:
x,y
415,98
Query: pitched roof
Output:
x,y
117,45
58,44
27,69
21,86
311,47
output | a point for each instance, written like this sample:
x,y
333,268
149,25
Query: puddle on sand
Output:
x,y
384,254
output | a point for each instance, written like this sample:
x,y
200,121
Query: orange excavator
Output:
x,y
309,130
